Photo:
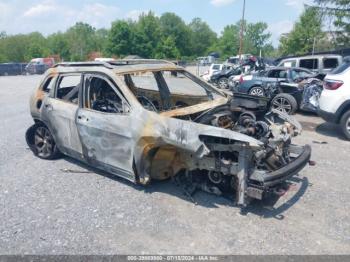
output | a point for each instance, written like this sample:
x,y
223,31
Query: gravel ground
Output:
x,y
44,210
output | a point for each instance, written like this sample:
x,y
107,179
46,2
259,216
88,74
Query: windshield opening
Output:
x,y
166,90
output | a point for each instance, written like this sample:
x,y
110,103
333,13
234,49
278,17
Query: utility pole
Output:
x,y
242,33
313,46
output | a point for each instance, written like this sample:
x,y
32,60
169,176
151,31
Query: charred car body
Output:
x,y
130,119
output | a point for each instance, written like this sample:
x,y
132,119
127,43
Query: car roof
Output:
x,y
313,56
286,68
118,66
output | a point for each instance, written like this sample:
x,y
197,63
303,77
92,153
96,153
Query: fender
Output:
x,y
342,109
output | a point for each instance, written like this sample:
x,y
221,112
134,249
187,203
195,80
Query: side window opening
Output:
x,y
48,84
282,74
273,74
309,63
68,88
102,97
289,63
330,63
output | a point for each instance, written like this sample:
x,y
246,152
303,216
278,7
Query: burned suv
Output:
x,y
150,120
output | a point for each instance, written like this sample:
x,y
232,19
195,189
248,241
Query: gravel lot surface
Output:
x,y
44,210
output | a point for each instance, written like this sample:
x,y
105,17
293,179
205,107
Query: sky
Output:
x,y
49,16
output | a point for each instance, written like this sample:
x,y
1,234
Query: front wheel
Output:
x,y
285,103
345,124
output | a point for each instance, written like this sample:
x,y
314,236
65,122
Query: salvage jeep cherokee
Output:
x,y
150,119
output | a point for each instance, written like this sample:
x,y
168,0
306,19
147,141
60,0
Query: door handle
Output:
x,y
82,117
48,106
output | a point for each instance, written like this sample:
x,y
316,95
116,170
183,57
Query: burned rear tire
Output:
x,y
41,142
285,103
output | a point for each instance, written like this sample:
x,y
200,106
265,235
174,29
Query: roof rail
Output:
x,y
119,62
139,61
68,64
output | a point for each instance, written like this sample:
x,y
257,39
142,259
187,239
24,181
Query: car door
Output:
x,y
103,122
59,111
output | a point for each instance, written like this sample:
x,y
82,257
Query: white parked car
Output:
x,y
334,103
212,70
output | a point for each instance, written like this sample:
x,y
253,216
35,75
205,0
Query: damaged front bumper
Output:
x,y
261,183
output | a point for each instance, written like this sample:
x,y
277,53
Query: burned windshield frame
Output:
x,y
207,88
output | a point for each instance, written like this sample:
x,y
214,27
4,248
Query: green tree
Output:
x,y
81,41
305,32
36,46
101,38
172,25
256,38
121,38
228,43
58,45
202,37
15,48
339,10
147,35
167,49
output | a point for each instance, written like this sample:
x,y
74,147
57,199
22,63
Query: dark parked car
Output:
x,y
36,68
278,83
11,69
221,78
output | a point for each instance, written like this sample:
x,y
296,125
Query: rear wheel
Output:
x,y
285,103
257,91
41,142
223,83
345,124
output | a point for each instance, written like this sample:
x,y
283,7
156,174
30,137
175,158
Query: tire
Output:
x,y
41,142
345,124
223,83
257,91
285,103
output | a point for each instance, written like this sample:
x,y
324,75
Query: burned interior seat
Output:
x,y
103,98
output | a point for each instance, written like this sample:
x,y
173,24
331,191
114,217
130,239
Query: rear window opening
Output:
x,y
48,85
68,88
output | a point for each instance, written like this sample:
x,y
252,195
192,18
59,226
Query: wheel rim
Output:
x,y
223,83
43,142
282,104
347,125
257,92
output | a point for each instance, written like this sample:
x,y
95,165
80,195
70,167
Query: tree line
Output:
x,y
167,36
323,26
